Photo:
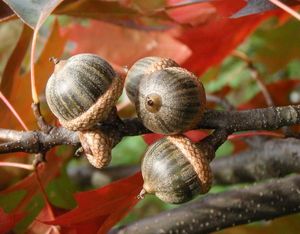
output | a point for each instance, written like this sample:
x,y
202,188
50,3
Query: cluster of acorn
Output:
x,y
83,91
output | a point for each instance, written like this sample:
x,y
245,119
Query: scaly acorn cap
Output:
x,y
97,147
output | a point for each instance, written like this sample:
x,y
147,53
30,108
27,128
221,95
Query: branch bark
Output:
x,y
214,212
274,158
36,141
231,121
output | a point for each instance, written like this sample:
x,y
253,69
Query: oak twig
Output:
x,y
275,158
255,75
230,121
42,124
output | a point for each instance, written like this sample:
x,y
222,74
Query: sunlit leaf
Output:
x,y
14,63
5,12
100,209
210,43
8,221
113,12
278,46
31,11
20,94
46,171
132,44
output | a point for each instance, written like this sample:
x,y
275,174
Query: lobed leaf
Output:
x,y
98,210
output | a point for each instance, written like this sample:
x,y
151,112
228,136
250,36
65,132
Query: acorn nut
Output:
x,y
82,91
170,101
176,170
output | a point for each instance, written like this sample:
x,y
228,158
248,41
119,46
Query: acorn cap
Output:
x,y
98,111
142,67
197,159
97,147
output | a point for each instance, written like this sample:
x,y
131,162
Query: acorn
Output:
x,y
82,91
142,67
176,170
170,101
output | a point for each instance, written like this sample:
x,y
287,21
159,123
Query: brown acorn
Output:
x,y
176,170
82,91
170,101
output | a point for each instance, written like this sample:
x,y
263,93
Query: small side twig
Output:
x,y
220,101
255,75
38,159
42,124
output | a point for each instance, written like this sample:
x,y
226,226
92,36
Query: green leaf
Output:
x,y
275,48
128,151
60,191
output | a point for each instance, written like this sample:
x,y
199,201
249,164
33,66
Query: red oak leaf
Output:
x,y
46,213
98,210
46,172
215,34
193,135
8,221
131,44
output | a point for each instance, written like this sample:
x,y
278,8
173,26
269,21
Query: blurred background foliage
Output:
x,y
274,48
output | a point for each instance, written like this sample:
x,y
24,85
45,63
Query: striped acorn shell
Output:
x,y
175,170
143,67
171,101
76,90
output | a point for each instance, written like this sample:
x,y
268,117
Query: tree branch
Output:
x,y
217,211
273,159
255,119
36,141
233,121
230,121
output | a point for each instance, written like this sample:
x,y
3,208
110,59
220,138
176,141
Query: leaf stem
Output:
x,y
18,165
12,109
44,194
32,77
286,8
